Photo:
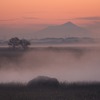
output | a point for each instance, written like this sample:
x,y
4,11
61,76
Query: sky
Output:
x,y
35,14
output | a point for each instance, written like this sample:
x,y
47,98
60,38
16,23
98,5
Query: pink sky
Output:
x,y
20,13
46,11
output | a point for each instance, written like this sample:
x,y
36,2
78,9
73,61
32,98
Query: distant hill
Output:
x,y
63,40
64,30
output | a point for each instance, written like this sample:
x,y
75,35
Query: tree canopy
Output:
x,y
16,42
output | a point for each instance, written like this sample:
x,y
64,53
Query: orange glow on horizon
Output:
x,y
46,11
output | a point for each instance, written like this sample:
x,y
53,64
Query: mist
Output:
x,y
70,64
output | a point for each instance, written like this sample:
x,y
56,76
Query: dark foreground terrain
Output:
x,y
72,91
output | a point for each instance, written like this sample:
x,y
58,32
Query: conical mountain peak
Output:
x,y
69,24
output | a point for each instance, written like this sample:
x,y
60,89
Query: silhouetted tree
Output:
x,y
24,43
14,42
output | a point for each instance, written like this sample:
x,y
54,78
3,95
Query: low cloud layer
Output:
x,y
96,18
16,19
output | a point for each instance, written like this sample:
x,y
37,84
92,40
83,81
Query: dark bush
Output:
x,y
43,82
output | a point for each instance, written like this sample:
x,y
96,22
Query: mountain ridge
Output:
x,y
68,29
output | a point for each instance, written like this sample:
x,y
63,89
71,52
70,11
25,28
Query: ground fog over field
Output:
x,y
68,64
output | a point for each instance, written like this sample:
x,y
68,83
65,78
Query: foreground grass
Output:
x,y
65,91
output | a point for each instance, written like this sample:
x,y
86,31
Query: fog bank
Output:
x,y
64,63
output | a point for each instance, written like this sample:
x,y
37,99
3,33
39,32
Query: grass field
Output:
x,y
65,91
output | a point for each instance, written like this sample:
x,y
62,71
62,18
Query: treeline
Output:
x,y
64,91
16,42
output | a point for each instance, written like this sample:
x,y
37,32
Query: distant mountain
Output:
x,y
64,30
